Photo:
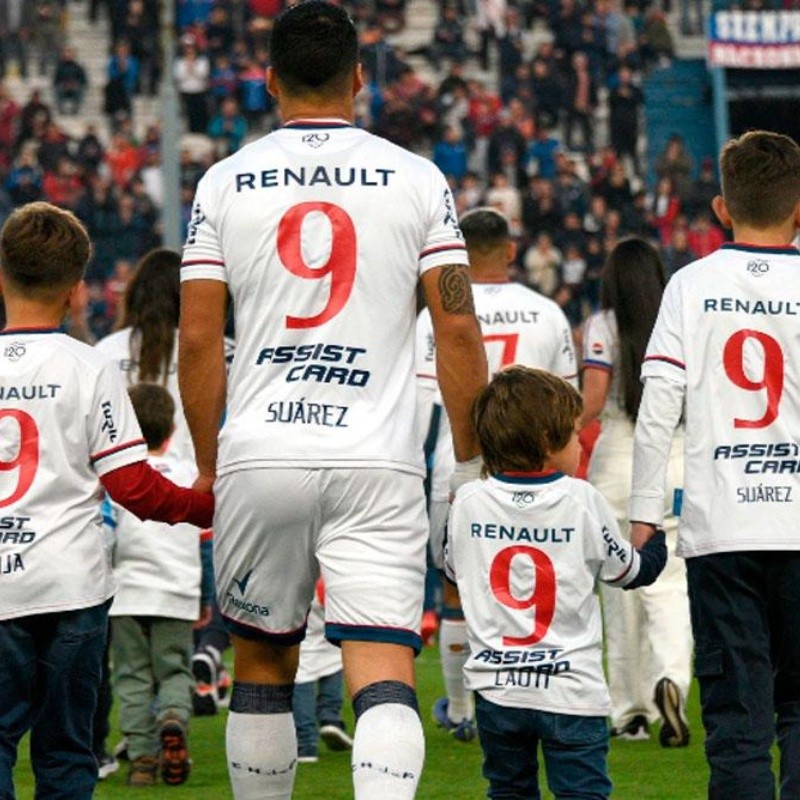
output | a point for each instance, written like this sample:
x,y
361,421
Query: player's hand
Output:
x,y
641,533
465,472
204,484
205,617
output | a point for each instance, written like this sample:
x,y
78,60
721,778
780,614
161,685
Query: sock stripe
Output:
x,y
382,692
261,698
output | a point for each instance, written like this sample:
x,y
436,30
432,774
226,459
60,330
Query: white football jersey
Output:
x,y
65,420
321,231
519,326
157,566
601,351
119,347
727,332
527,554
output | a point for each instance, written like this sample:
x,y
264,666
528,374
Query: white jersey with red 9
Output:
x,y
321,231
65,420
520,326
527,553
727,332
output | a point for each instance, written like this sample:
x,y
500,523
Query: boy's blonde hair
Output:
x,y
43,250
761,178
522,416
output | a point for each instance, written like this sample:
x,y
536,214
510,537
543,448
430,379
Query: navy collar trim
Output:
x,y
528,477
19,331
317,124
785,250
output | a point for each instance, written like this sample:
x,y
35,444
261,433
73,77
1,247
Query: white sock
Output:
x,y
388,753
454,652
262,755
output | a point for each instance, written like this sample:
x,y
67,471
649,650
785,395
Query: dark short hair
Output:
x,y
313,47
43,249
761,178
155,410
522,416
484,229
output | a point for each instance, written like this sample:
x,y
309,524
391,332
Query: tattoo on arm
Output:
x,y
455,289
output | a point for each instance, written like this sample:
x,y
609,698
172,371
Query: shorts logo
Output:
x,y
597,348
15,351
757,268
245,605
316,139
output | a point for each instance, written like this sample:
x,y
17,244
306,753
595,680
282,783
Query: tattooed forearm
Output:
x,y
455,289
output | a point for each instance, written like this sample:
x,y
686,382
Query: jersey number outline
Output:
x,y
542,598
510,341
341,263
772,379
27,459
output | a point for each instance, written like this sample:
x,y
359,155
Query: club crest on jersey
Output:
x,y
757,268
522,499
316,139
14,351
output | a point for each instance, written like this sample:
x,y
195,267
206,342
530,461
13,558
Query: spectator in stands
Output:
x,y
122,159
47,33
90,150
549,93
224,79
256,102
506,142
664,207
143,33
573,273
10,113
69,83
625,102
450,154
188,12
581,102
24,181
510,45
675,163
571,190
34,118
541,154
63,186
123,79
543,265
704,189
490,22
540,208
448,38
227,128
704,237
655,40
152,176
191,75
677,253
16,27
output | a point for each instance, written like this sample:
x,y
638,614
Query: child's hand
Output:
x,y
204,484
204,618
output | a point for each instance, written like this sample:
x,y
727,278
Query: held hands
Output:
x,y
641,533
204,483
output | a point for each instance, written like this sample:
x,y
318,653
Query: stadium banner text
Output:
x,y
754,39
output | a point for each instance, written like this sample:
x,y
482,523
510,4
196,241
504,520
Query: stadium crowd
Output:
x,y
509,128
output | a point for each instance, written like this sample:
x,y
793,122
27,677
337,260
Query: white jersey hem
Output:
x,y
735,546
72,605
319,463
571,709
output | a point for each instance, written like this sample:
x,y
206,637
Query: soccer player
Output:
x,y
520,326
321,232
724,349
67,431
528,546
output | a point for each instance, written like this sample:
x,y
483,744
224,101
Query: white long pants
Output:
x,y
647,631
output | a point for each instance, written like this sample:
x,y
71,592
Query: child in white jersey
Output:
x,y
160,595
527,547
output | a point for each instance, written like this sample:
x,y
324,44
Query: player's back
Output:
x,y
728,327
59,428
321,231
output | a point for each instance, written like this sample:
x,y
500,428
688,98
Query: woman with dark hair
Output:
x,y
648,634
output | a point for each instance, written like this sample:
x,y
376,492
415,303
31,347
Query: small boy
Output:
x,y
158,599
527,547
723,354
67,431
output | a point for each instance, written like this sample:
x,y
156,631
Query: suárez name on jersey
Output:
x,y
313,176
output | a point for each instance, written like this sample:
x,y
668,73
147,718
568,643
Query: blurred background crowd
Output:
x,y
532,106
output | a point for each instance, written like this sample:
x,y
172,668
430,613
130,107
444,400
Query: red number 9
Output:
x,y
27,458
543,596
772,379
341,264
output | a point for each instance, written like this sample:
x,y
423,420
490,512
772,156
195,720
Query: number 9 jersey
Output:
x,y
728,334
321,232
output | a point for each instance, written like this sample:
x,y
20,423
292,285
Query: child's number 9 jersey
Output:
x,y
527,554
728,332
321,231
65,420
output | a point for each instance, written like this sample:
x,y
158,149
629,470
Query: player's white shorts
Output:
x,y
437,521
365,529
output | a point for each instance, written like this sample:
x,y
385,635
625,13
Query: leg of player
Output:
x,y
260,740
456,715
388,746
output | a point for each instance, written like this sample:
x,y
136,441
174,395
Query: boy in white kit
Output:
x,y
158,599
527,547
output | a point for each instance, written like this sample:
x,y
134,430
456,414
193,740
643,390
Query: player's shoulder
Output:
x,y
601,322
85,355
115,342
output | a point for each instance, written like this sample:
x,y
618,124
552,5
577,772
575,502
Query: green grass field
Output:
x,y
640,770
